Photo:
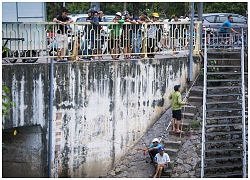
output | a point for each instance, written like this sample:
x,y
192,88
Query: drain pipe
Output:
x,y
191,42
50,116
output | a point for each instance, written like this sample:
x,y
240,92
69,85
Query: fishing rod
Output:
x,y
183,117
147,150
186,95
151,156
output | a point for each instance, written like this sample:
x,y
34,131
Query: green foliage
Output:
x,y
5,49
78,7
6,101
225,7
165,9
212,69
213,63
6,105
194,124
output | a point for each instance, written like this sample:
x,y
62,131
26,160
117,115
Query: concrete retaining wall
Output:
x,y
101,109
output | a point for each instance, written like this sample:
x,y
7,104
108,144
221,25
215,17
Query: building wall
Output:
x,y
101,109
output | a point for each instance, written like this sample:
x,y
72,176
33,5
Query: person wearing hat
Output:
x,y
153,35
176,107
61,34
153,149
126,38
161,161
114,35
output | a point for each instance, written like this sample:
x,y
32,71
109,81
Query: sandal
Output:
x,y
179,131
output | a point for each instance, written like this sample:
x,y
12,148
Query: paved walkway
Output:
x,y
166,54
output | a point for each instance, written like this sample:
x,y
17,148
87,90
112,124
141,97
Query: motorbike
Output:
x,y
12,56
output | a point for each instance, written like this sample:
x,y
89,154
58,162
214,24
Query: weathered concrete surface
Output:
x,y
23,153
100,110
185,163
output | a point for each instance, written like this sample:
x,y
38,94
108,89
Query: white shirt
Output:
x,y
152,31
162,159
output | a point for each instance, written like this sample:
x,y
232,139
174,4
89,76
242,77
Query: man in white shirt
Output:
x,y
161,159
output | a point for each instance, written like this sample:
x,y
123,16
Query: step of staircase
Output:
x,y
221,125
187,115
196,91
223,52
222,102
224,59
223,109
223,73
172,144
221,66
195,99
189,109
224,141
171,152
224,94
224,87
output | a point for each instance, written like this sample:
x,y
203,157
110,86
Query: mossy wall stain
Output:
x,y
105,106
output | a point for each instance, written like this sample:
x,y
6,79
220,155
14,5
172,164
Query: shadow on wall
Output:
x,y
22,152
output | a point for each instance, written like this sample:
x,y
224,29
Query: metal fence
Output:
x,y
216,39
29,41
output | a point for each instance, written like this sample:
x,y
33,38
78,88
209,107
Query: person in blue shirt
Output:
x,y
227,25
224,30
153,149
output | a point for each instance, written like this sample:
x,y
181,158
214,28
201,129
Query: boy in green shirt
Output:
x,y
176,107
114,34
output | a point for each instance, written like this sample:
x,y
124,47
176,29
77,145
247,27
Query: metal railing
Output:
x,y
39,40
215,39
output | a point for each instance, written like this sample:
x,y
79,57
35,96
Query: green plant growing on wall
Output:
x,y
6,101
6,105
214,69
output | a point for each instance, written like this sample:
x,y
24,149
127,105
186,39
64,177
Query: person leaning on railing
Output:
x,y
225,26
114,35
61,34
137,33
175,33
127,32
153,35
92,33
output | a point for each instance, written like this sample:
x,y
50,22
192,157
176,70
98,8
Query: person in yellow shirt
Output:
x,y
176,107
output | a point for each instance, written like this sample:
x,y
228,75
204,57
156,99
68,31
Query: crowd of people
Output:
x,y
126,34
133,37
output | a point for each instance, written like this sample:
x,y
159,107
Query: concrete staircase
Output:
x,y
175,141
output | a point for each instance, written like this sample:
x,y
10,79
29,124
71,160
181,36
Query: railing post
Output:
x,y
191,43
50,116
197,41
75,47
